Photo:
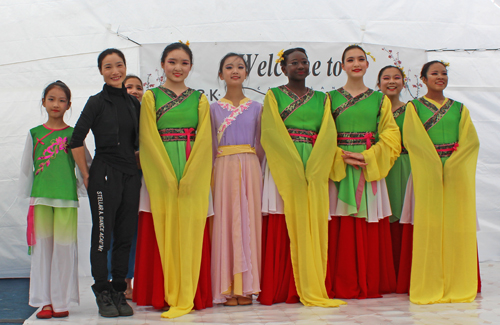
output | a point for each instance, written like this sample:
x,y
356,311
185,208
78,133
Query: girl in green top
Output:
x,y
48,178
369,142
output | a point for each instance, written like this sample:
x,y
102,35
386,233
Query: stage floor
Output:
x,y
392,309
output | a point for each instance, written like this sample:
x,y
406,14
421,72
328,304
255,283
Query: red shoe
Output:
x,y
61,314
45,313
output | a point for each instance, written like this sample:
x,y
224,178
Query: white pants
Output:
x,y
54,261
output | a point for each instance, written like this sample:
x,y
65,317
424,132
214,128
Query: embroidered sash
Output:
x,y
355,138
304,136
235,111
438,113
179,134
351,101
176,100
297,101
446,149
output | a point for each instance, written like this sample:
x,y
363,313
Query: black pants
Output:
x,y
114,203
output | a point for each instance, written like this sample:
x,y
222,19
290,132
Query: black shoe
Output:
x,y
105,303
121,304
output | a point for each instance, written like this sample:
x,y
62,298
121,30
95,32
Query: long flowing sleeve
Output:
x,y
444,267
215,143
26,175
338,171
179,208
382,155
305,196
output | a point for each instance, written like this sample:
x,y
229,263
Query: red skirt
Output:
x,y
396,237
360,263
277,281
148,277
404,273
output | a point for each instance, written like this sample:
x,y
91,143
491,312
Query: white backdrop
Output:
x,y
45,40
326,73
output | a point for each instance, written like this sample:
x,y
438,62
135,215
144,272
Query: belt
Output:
x,y
355,138
234,149
304,136
446,149
179,134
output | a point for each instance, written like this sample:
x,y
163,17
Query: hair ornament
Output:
x,y
403,72
187,42
446,64
370,54
280,56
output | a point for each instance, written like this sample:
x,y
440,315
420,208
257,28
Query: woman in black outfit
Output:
x,y
113,181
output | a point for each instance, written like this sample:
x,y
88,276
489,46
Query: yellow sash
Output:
x,y
234,149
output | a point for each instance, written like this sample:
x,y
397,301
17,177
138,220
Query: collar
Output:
x,y
243,101
438,105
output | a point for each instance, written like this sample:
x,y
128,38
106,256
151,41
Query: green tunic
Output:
x,y
360,116
181,112
54,166
307,116
442,124
398,176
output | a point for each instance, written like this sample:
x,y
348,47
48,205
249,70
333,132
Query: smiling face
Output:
x,y
113,70
391,82
176,65
233,71
355,63
296,66
436,78
134,88
56,103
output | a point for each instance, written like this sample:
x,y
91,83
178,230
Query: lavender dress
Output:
x,y
237,191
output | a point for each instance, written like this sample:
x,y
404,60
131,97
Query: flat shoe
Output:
x,y
60,314
244,301
45,313
231,302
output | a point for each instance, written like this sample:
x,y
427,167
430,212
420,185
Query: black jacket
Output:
x,y
100,115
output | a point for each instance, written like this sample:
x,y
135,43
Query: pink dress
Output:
x,y
237,192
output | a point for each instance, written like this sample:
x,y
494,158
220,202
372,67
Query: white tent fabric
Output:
x,y
42,41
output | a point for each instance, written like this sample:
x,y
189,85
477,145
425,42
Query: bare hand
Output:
x,y
354,162
86,182
353,155
137,159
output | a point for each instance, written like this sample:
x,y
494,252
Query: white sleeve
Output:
x,y
81,190
26,176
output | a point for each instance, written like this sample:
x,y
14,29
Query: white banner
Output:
x,y
325,66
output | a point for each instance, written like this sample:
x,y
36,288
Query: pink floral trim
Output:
x,y
58,144
235,111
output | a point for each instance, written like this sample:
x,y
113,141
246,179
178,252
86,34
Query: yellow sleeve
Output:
x,y
305,197
382,155
460,242
338,171
157,169
444,267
